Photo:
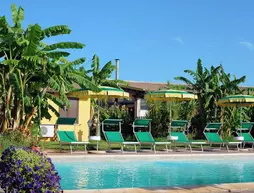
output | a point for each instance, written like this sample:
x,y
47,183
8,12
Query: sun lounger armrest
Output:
x,y
162,143
131,143
211,129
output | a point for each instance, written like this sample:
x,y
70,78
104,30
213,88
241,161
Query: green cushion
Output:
x,y
181,136
112,121
247,136
145,137
114,136
142,122
66,136
179,123
213,137
247,125
213,126
65,121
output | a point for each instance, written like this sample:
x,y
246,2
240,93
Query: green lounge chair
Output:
x,y
244,131
115,137
69,138
145,137
177,129
211,133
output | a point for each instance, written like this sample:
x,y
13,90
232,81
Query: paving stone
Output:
x,y
216,188
120,190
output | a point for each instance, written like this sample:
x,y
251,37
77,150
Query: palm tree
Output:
x,y
210,85
101,76
29,68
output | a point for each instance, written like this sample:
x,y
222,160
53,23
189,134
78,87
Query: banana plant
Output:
x,y
30,68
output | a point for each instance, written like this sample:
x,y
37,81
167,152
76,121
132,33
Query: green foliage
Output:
x,y
232,119
118,112
210,85
14,138
29,69
159,112
101,76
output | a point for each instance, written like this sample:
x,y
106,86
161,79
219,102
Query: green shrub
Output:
x,y
15,138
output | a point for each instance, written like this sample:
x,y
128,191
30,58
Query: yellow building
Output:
x,y
80,105
80,109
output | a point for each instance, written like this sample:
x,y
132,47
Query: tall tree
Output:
x,y
29,68
210,85
101,75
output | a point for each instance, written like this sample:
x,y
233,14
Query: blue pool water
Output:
x,y
143,173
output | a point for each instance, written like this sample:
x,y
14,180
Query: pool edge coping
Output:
x,y
149,155
227,187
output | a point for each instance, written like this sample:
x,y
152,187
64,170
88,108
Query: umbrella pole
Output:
x,y
170,117
170,112
98,125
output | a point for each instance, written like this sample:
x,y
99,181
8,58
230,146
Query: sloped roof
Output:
x,y
146,86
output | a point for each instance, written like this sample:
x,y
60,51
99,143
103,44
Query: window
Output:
x,y
143,105
72,111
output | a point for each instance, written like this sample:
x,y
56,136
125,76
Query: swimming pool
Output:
x,y
104,174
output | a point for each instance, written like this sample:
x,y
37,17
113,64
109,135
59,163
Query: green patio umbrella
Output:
x,y
106,92
236,101
170,95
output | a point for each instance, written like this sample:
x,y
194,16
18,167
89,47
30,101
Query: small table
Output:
x,y
174,139
240,138
97,139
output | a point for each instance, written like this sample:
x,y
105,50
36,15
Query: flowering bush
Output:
x,y
24,170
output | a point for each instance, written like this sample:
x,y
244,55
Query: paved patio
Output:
x,y
216,188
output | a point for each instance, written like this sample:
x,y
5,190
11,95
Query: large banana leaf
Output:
x,y
34,39
64,45
17,15
55,30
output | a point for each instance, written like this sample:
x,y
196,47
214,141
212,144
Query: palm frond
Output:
x,y
54,99
106,71
55,111
78,61
64,45
183,79
190,72
199,67
10,62
34,39
33,59
83,82
17,15
53,84
57,54
55,30
95,64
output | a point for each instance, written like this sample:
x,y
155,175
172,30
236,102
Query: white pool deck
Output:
x,y
215,188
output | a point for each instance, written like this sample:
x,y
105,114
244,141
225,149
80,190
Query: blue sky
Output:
x,y
155,40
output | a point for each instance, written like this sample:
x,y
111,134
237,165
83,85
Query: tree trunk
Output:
x,y
29,119
6,108
17,115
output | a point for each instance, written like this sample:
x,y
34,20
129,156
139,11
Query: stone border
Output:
x,y
185,156
215,188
